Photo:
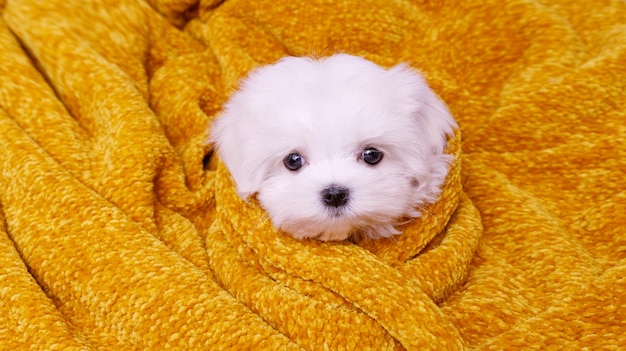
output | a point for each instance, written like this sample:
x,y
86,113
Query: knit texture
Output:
x,y
118,231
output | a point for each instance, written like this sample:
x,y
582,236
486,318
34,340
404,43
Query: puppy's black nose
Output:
x,y
335,196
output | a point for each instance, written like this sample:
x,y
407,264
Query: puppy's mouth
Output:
x,y
336,213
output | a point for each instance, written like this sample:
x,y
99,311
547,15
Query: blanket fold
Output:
x,y
120,230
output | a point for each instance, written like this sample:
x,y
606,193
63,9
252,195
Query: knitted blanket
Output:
x,y
120,231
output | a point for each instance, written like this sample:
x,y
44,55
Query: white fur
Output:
x,y
329,110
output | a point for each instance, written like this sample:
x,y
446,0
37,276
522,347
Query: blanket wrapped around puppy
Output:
x,y
119,231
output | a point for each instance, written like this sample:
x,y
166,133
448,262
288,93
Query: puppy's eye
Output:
x,y
294,161
371,155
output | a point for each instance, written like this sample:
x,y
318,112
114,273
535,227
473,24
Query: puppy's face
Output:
x,y
335,147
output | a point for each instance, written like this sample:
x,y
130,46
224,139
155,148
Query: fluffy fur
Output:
x,y
329,111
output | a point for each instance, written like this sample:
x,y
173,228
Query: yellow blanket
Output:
x,y
119,231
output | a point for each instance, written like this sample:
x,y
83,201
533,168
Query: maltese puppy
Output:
x,y
335,148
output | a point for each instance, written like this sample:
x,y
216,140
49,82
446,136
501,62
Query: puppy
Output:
x,y
337,147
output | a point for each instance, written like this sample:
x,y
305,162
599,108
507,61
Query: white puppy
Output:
x,y
336,147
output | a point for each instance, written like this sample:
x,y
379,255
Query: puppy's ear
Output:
x,y
432,114
234,142
434,123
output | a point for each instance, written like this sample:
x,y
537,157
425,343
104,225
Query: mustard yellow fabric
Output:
x,y
118,232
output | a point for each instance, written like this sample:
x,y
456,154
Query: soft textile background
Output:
x,y
116,232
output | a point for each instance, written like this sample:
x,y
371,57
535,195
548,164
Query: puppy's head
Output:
x,y
335,147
